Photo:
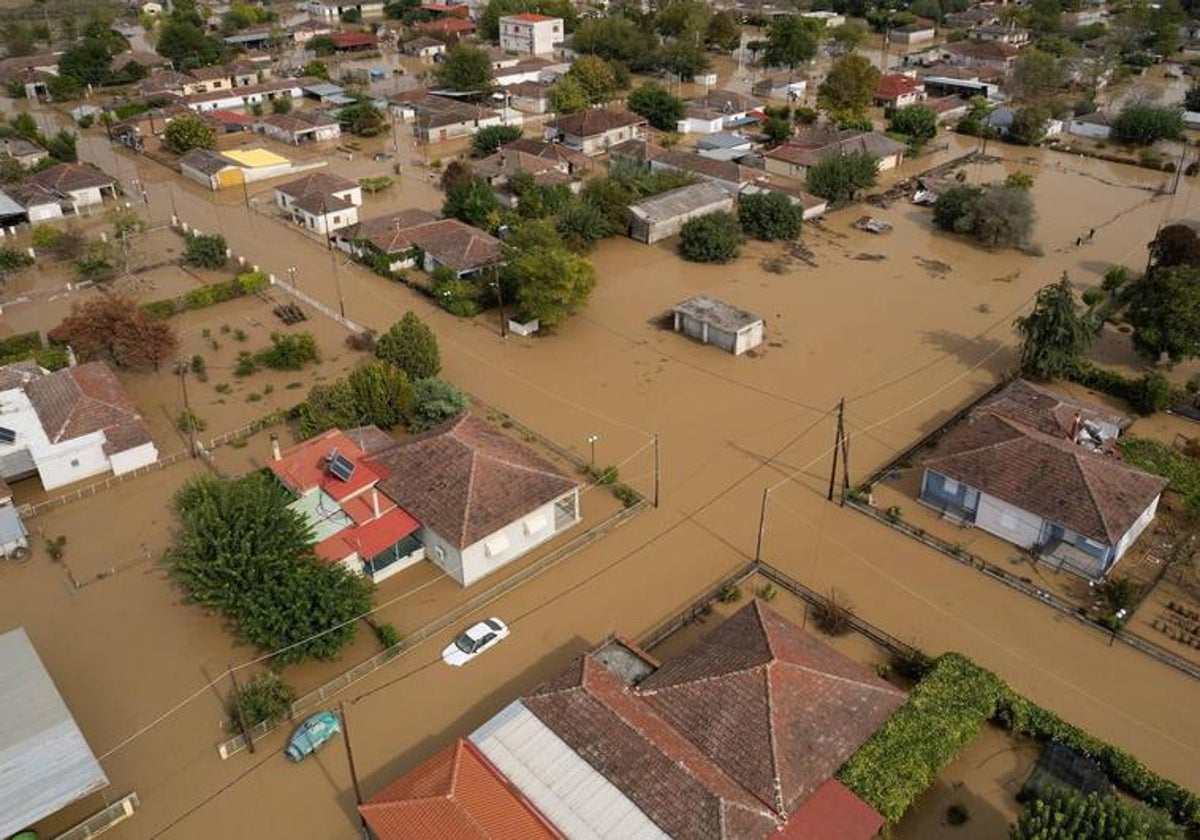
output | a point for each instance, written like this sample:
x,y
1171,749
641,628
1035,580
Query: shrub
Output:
x,y
206,251
265,699
626,495
160,310
189,421
245,365
1160,459
833,614
289,351
944,712
713,238
435,401
252,282
410,345
730,593
44,237
957,814
767,592
387,635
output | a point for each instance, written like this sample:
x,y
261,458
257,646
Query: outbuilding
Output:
x,y
665,214
711,321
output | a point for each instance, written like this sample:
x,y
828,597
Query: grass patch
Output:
x,y
1154,457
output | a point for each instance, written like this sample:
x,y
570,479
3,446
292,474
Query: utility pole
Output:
x,y
499,301
656,475
237,706
845,461
358,799
837,448
189,419
762,526
337,282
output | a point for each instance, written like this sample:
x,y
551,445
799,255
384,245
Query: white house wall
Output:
x,y
42,212
86,197
135,458
1136,530
1008,522
65,463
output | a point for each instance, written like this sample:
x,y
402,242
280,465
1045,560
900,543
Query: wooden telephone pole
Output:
x,y
841,447
358,799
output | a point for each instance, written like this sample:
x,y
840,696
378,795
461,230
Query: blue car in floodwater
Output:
x,y
312,734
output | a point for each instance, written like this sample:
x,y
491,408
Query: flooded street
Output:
x,y
907,327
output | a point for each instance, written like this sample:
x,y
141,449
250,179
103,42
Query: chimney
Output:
x,y
275,453
1076,425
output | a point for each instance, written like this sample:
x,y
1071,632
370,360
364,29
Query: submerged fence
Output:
x,y
102,821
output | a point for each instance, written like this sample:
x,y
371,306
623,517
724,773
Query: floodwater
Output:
x,y
907,327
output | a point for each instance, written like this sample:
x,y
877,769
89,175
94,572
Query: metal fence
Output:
x,y
30,510
317,305
697,608
102,821
1049,598
343,681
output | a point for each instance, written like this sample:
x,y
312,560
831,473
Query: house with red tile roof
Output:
x,y
595,130
895,90
463,495
69,425
737,738
1041,472
338,494
412,237
447,27
482,498
456,794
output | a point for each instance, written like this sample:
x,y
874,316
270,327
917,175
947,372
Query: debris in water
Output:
x,y
936,267
870,257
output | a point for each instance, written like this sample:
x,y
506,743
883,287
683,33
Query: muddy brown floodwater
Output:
x,y
905,339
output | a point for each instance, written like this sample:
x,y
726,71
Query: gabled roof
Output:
x,y
298,123
816,145
208,74
456,244
726,102
549,151
317,192
1092,494
206,161
389,234
716,313
708,168
78,401
347,40
305,466
688,199
729,738
984,50
595,121
456,795
1046,411
466,479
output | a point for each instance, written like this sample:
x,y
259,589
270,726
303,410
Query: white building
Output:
x,y
482,498
320,202
531,33
68,425
333,10
711,321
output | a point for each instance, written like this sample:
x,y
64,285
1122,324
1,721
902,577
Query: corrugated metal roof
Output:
x,y
580,801
8,207
45,763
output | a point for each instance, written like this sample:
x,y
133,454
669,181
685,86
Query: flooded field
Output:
x,y
907,339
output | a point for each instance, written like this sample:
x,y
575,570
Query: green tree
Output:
x,y
61,146
1037,76
839,178
206,251
1164,309
25,126
1005,216
435,401
684,58
792,41
471,200
382,394
411,346
723,32
776,130
568,96
1066,814
1142,124
917,122
321,45
188,131
488,140
265,699
551,282
581,225
281,105
595,76
316,69
64,88
1174,245
713,238
467,68
682,19
1029,125
617,38
88,61
848,36
660,108
850,86
187,46
611,199
769,216
242,551
363,119
1054,336
956,209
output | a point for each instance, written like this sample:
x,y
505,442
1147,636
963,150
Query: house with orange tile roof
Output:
x,y
736,738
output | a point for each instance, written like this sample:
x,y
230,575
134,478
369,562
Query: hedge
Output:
x,y
944,712
1160,459
1146,394
28,346
208,295
948,708
1023,717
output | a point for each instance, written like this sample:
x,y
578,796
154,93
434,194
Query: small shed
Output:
x,y
45,763
664,215
711,321
1062,767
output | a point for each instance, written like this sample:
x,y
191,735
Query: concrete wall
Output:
x,y
1135,531
655,231
736,343
79,459
42,212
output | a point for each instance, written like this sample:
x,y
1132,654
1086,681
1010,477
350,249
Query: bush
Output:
x,y
994,215
1160,459
1066,812
944,712
410,345
833,614
44,237
435,401
730,593
626,495
957,814
265,699
487,140
712,238
387,635
770,216
206,251
1146,394
839,178
289,351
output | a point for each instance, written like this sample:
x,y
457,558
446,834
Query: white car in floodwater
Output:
x,y
474,641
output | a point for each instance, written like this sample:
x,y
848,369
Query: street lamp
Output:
x,y
592,441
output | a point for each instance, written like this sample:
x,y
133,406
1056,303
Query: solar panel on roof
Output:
x,y
340,467
7,435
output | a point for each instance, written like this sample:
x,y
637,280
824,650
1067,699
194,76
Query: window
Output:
x,y
535,523
950,486
74,462
495,545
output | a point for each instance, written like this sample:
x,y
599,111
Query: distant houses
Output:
x,y
594,131
418,238
62,189
795,157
